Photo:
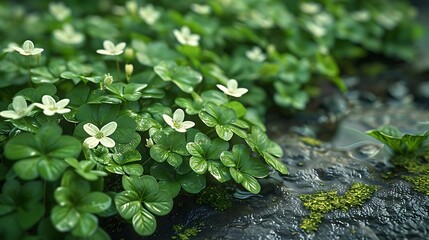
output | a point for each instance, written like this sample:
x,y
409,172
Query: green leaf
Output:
x,y
128,203
64,196
198,164
27,169
94,202
159,203
144,222
143,185
183,76
236,175
133,169
86,226
193,182
22,146
400,143
251,184
51,169
29,217
64,218
224,132
219,171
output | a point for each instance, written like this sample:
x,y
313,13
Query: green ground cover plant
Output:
x,y
110,108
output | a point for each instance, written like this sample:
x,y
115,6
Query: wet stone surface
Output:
x,y
395,211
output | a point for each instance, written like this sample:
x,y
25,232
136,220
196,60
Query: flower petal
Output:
x,y
48,101
187,124
168,120
108,45
222,88
37,51
91,129
232,84
103,52
19,103
62,103
178,115
107,142
120,46
91,142
10,114
62,111
49,112
109,128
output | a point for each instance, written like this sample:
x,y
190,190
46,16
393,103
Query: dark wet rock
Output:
x,y
395,210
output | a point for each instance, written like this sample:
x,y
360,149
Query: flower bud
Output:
x,y
129,54
129,68
132,7
108,79
149,142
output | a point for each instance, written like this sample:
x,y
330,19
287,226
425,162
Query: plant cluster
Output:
x,y
409,153
159,96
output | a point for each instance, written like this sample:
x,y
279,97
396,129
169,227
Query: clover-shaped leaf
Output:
x,y
85,169
223,119
206,154
76,205
170,147
43,153
172,181
129,92
140,200
124,163
22,202
184,77
244,168
151,54
269,150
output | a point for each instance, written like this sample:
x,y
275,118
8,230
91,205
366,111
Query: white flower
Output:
x,y
149,14
68,35
323,18
200,8
20,109
177,122
111,49
59,11
255,54
309,7
28,49
100,136
50,106
185,37
231,88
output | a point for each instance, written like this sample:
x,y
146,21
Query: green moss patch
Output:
x,y
420,182
323,202
217,197
185,234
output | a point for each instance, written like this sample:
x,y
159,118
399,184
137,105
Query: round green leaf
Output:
x,y
251,184
128,204
144,222
94,202
198,164
28,218
64,196
26,169
86,226
143,185
22,146
193,182
51,169
64,218
159,203
236,175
